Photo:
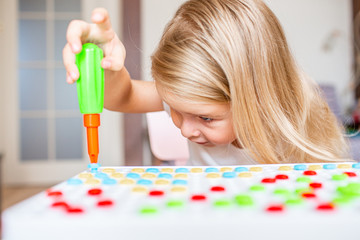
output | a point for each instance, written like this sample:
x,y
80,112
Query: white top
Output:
x,y
216,155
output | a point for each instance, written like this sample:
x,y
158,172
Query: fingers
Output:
x,y
101,17
76,32
115,60
101,31
79,31
72,72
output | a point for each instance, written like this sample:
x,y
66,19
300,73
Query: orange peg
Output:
x,y
92,122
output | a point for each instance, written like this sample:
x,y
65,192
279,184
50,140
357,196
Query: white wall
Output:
x,y
154,16
319,34
7,58
2,99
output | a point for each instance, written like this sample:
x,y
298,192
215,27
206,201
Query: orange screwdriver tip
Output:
x,y
93,158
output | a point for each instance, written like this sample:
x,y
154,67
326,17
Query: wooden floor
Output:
x,y
13,195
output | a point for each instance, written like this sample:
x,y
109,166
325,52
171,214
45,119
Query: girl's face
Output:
x,y
201,123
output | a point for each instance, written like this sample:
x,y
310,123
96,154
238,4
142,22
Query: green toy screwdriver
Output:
x,y
90,89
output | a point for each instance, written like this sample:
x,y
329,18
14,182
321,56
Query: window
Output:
x,y
50,121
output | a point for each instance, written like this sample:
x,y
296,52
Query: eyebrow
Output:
x,y
210,115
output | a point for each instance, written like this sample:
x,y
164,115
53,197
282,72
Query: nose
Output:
x,y
189,128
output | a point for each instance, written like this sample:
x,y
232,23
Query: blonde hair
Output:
x,y
235,51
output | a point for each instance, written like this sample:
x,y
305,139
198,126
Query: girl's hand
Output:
x,y
99,32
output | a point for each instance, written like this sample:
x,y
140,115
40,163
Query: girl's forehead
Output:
x,y
188,103
197,108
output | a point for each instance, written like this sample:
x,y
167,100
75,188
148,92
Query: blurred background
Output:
x,y
42,139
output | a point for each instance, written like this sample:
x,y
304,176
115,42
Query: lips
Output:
x,y
199,142
205,144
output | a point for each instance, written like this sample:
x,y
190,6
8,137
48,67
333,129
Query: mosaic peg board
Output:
x,y
304,201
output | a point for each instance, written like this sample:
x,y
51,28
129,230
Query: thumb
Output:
x,y
115,60
110,63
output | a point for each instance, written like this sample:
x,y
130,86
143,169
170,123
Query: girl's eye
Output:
x,y
206,119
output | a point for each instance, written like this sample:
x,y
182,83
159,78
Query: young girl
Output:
x,y
224,72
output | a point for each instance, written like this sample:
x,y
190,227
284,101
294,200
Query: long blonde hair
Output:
x,y
235,51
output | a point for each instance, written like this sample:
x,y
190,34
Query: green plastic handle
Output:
x,y
90,85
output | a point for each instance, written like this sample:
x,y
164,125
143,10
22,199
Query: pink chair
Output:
x,y
166,141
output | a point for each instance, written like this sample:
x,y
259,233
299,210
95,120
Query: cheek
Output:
x,y
221,135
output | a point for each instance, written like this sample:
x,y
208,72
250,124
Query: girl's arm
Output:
x,y
127,95
121,93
